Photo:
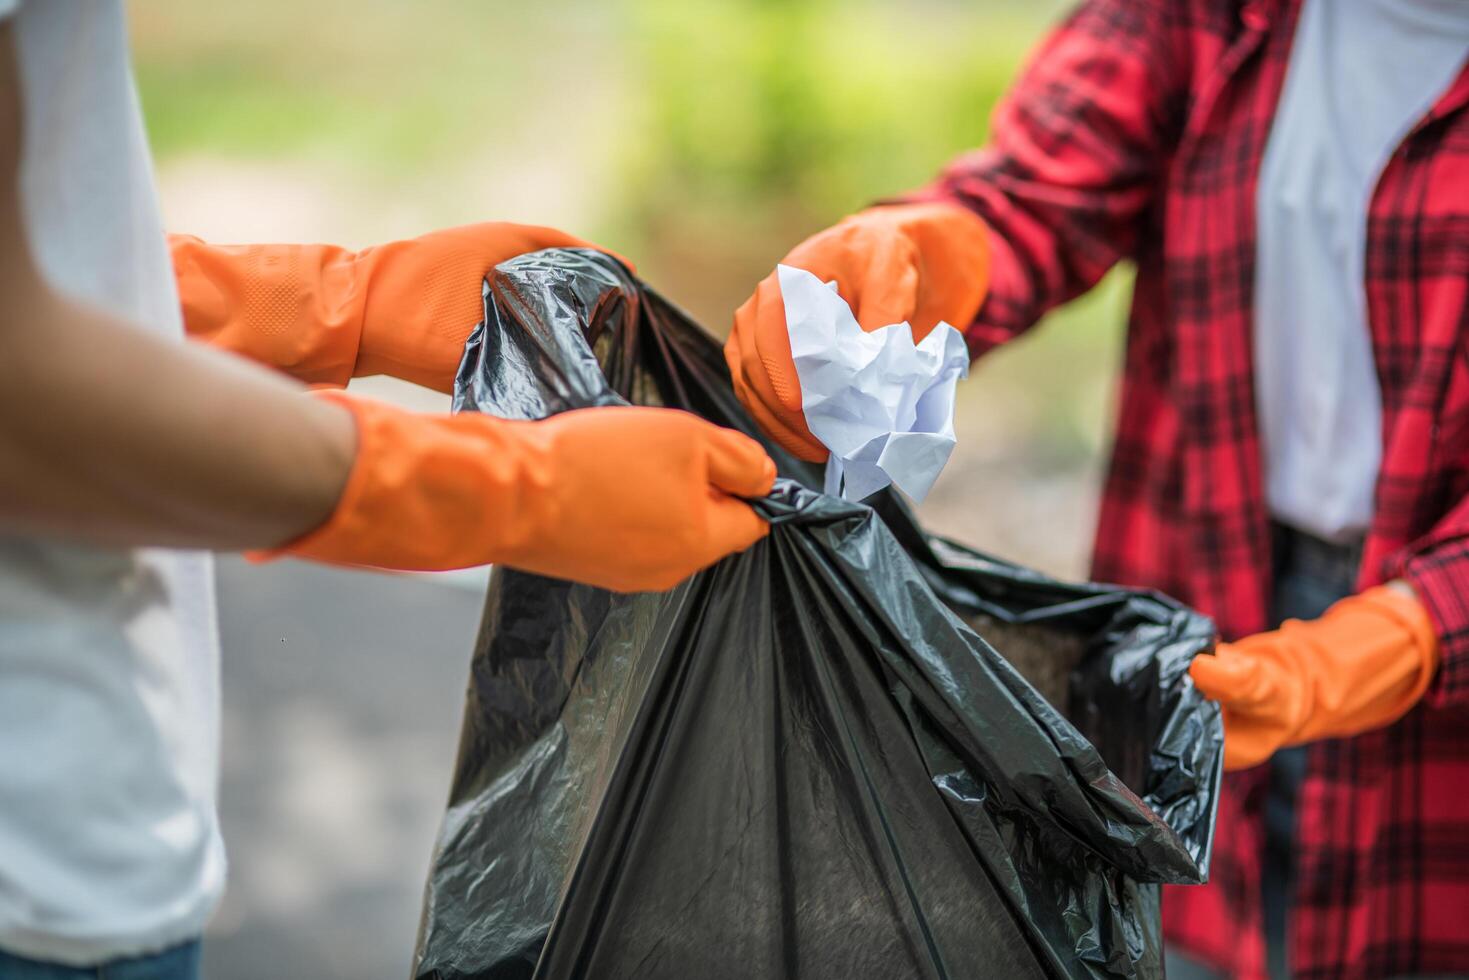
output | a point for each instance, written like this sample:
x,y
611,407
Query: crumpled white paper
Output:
x,y
883,405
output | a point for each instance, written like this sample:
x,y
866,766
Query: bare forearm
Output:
x,y
112,435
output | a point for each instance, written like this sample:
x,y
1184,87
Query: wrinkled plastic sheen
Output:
x,y
800,762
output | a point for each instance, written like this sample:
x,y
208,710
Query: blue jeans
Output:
x,y
178,963
1310,575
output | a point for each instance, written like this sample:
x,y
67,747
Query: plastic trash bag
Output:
x,y
801,762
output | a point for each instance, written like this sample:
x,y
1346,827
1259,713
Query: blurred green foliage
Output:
x,y
739,125
384,87
824,103
762,120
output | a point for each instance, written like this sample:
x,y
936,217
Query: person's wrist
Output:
x,y
340,468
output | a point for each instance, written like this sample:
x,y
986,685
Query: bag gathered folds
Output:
x,y
854,750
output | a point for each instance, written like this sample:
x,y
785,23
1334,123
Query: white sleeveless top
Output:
x,y
109,660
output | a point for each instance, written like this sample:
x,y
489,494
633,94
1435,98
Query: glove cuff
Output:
x,y
431,493
295,308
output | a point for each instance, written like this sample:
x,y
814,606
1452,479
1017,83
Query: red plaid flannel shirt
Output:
x,y
1137,132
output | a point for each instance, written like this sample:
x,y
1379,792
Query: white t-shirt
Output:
x,y
109,659
1361,74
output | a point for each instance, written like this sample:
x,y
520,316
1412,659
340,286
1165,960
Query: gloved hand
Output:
x,y
630,499
923,263
1361,666
325,314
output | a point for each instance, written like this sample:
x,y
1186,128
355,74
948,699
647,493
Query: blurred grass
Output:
x,y
767,120
750,110
818,102
384,86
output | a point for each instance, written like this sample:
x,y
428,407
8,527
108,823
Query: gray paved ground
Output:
x,y
342,699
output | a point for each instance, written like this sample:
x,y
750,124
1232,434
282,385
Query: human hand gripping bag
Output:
x,y
814,759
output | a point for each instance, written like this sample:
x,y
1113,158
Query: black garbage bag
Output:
x,y
802,762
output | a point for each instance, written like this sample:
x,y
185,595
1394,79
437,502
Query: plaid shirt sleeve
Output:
x,y
1437,566
1076,160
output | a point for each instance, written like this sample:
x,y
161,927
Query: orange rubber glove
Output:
x,y
1361,666
630,499
324,314
923,263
